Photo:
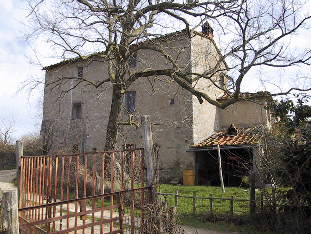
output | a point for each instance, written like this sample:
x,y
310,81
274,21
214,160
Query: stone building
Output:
x,y
75,115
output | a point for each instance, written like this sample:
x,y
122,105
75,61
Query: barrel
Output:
x,y
188,177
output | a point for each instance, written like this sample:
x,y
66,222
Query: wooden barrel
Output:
x,y
188,177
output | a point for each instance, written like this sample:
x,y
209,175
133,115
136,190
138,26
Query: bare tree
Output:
x,y
6,130
257,33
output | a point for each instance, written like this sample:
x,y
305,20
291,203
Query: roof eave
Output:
x,y
209,148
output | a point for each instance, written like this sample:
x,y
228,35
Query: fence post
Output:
x,y
10,215
261,201
273,200
19,154
231,206
252,204
211,204
176,198
148,144
194,205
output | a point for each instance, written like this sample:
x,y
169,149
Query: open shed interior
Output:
x,y
236,162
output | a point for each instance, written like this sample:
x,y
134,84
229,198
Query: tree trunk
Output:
x,y
115,112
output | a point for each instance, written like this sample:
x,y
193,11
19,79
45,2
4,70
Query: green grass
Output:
x,y
237,225
9,168
202,205
241,222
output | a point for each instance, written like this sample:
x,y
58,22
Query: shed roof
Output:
x,y
246,95
233,137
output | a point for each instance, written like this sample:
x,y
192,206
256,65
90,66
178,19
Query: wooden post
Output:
x,y
231,207
19,154
194,204
220,170
176,198
252,204
273,200
148,144
211,204
10,209
261,201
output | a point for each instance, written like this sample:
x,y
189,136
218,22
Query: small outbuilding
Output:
x,y
239,152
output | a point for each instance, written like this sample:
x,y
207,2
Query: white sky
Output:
x,y
19,108
22,109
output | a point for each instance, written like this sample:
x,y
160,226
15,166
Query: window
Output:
x,y
76,110
221,80
172,101
132,60
80,72
75,148
129,101
129,146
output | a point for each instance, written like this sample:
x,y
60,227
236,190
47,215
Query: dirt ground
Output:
x,y
6,179
192,230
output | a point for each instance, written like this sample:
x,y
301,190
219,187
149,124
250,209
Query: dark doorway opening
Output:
x,y
236,163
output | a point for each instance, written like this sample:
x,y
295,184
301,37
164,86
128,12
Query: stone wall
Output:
x,y
204,57
178,119
245,114
169,107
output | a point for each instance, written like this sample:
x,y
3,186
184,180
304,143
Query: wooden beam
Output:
x,y
220,170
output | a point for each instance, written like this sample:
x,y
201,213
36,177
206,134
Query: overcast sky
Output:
x,y
21,109
18,108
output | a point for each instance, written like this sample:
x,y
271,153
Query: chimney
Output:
x,y
207,30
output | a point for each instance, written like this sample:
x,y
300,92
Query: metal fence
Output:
x,y
93,192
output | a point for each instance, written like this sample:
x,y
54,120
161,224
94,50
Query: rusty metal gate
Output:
x,y
100,192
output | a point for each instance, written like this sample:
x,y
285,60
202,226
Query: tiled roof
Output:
x,y
99,55
169,36
233,137
245,95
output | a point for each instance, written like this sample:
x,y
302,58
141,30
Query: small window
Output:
x,y
129,101
172,101
221,80
80,72
75,148
129,146
132,60
76,110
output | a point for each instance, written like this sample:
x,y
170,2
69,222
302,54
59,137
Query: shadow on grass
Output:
x,y
261,223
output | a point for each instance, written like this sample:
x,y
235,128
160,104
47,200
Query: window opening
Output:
x,y
76,110
172,101
75,148
130,101
80,72
221,80
132,60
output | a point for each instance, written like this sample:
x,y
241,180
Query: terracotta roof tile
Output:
x,y
245,95
242,136
169,36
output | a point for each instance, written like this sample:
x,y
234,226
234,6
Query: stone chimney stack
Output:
x,y
207,30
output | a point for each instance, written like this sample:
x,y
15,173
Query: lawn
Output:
x,y
221,221
220,207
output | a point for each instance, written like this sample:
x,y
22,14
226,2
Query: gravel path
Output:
x,y
193,230
6,179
